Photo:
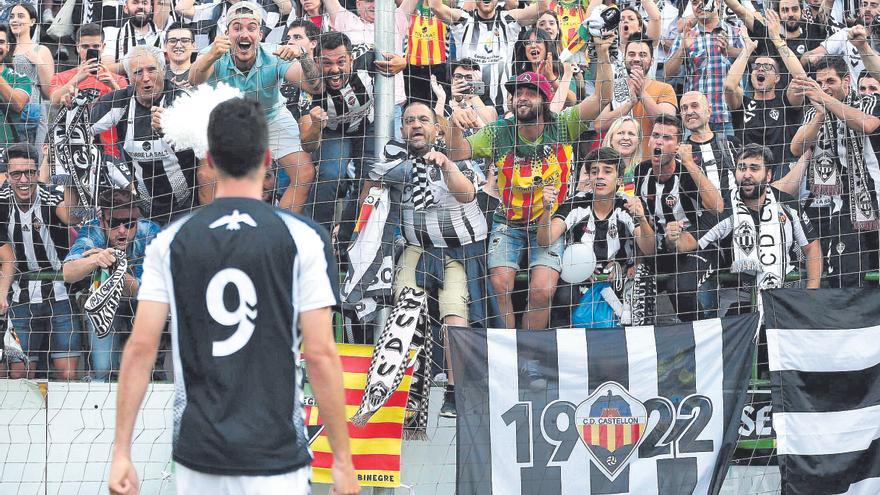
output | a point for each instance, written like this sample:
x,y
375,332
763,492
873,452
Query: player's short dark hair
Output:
x,y
607,155
312,31
755,150
238,136
332,40
833,62
178,25
640,38
90,29
423,103
21,150
116,199
669,119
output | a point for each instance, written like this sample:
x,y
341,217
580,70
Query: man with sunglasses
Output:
x,y
119,226
768,116
34,217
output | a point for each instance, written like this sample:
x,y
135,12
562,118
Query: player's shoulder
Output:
x,y
303,229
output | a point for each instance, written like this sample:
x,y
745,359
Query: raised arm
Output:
x,y
791,183
733,91
655,20
788,57
858,37
806,134
591,107
444,12
747,16
186,8
680,47
709,194
529,14
203,67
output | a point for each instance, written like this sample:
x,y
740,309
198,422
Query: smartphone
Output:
x,y
477,87
93,54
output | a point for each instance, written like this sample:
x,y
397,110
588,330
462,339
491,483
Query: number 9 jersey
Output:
x,y
236,275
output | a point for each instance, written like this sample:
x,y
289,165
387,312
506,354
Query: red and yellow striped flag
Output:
x,y
375,448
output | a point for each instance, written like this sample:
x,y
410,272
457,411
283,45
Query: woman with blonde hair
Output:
x,y
625,136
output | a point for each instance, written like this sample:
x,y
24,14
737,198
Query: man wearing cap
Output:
x,y
239,59
119,227
530,150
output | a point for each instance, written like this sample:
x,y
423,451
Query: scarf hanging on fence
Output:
x,y
824,177
103,302
765,253
390,354
415,425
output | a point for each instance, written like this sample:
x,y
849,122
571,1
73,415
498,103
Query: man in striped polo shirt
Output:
x,y
441,222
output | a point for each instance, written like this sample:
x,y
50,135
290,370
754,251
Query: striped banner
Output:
x,y
641,410
824,360
375,448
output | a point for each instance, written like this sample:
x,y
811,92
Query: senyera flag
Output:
x,y
375,448
639,410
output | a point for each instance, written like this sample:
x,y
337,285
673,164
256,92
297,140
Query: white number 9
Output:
x,y
243,316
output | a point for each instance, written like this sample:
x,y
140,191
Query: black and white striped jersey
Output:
x,y
447,223
675,200
489,43
237,274
613,237
717,159
350,108
164,177
40,239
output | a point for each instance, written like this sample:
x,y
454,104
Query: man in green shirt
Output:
x,y
530,150
15,90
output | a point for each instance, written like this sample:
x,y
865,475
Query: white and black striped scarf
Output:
x,y
826,168
422,196
765,255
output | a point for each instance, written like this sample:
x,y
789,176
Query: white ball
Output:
x,y
578,263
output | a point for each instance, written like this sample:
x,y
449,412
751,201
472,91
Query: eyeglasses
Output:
x,y
182,41
463,77
765,67
129,223
18,174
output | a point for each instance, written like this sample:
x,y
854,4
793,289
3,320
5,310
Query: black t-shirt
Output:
x,y
772,123
812,35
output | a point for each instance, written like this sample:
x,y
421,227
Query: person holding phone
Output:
x,y
90,74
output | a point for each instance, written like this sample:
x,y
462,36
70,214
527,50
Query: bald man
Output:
x,y
713,152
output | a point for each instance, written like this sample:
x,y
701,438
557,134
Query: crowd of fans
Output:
x,y
699,151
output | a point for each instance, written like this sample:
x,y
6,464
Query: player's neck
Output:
x,y
246,187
